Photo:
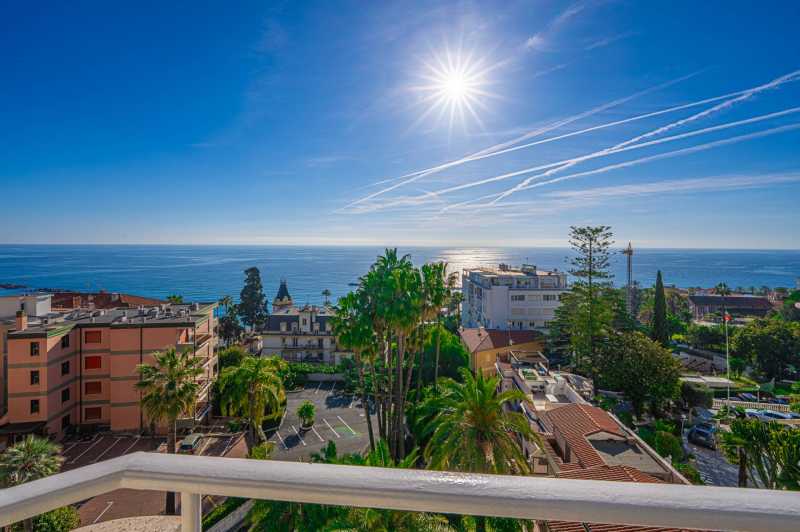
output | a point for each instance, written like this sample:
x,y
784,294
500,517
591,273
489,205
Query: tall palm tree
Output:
x,y
169,390
31,459
355,333
326,294
250,390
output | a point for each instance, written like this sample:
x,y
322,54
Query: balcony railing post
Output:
x,y
191,512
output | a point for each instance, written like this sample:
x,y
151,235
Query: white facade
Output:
x,y
32,304
509,298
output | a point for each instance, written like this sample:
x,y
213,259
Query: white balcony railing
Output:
x,y
666,505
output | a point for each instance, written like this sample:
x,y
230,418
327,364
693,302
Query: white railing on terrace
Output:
x,y
665,505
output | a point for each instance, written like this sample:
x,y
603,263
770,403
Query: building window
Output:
x,y
518,298
550,297
92,337
34,377
92,413
93,387
92,362
65,368
65,395
294,342
283,326
65,422
319,343
34,349
305,322
34,406
65,341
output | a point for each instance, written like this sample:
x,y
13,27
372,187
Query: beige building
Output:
x,y
485,345
300,334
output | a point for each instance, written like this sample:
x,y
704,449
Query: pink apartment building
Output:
x,y
78,369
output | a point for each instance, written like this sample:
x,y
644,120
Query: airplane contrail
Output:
x,y
777,82
489,152
675,153
606,152
697,116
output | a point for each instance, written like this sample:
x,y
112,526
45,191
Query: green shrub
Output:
x,y
306,413
694,394
690,472
58,520
222,511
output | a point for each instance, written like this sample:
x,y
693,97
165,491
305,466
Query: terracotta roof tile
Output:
x,y
577,421
618,473
480,339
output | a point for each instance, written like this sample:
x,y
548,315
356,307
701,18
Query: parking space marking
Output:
x,y
107,508
332,388
278,434
329,426
99,456
205,444
228,445
70,446
318,387
346,425
95,442
298,436
352,400
131,445
317,433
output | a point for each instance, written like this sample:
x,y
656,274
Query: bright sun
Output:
x,y
454,88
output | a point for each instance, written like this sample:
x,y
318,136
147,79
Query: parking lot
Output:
x,y
339,418
125,502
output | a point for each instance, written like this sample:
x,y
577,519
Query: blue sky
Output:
x,y
295,122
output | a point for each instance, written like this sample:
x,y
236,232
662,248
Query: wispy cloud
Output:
x,y
542,40
327,160
605,41
674,186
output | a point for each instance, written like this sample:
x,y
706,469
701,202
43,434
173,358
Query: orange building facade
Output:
x,y
78,370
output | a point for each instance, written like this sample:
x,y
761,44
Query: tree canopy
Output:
x,y
252,303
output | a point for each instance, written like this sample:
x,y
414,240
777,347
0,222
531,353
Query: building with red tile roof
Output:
x,y
100,300
484,345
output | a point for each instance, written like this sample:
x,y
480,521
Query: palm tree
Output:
x,y
435,293
250,390
225,302
326,294
354,332
31,459
169,390
472,430
175,299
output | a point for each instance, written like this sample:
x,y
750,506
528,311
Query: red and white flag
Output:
x,y
727,317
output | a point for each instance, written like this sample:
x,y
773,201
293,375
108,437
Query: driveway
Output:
x,y
339,418
714,469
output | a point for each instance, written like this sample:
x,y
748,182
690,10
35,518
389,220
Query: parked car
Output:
x,y
771,415
704,434
190,443
748,397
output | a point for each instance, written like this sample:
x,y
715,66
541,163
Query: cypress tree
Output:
x,y
659,331
252,306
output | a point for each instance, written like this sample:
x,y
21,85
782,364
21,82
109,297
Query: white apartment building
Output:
x,y
506,298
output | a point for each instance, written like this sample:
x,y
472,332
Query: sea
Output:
x,y
206,273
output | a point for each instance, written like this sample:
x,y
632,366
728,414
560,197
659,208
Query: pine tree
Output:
x,y
659,331
252,306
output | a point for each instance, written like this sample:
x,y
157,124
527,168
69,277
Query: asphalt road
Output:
x,y
339,418
714,469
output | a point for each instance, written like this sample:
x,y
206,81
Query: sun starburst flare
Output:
x,y
454,88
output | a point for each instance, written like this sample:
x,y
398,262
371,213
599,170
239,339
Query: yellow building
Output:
x,y
484,345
